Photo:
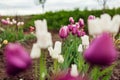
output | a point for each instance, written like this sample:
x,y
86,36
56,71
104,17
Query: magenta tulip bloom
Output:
x,y
17,59
71,20
64,32
74,30
91,17
65,75
101,51
81,22
70,27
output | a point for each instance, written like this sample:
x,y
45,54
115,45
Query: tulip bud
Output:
x,y
63,32
17,59
35,52
91,17
22,23
71,20
77,25
60,59
74,71
81,22
5,42
80,48
85,40
101,51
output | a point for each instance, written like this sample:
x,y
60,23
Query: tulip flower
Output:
x,y
44,40
103,24
36,51
71,20
55,52
77,25
80,48
81,22
74,30
85,40
70,74
5,22
41,26
31,29
17,59
60,59
116,24
91,17
101,51
74,71
5,42
64,32
70,27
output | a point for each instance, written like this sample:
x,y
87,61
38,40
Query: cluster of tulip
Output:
x,y
77,51
75,29
7,21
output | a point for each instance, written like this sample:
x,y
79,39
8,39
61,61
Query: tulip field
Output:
x,y
70,53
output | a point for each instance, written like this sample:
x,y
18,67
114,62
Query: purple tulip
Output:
x,y
91,17
70,27
101,51
64,32
74,30
17,59
65,75
77,25
81,22
71,20
5,22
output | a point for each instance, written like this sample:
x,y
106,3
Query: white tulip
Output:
x,y
52,53
57,47
56,51
74,71
116,24
44,39
80,48
104,24
41,26
85,40
60,59
36,51
94,27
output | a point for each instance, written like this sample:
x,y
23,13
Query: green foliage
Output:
x,y
12,35
56,19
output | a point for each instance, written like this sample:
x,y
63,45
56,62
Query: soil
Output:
x,y
29,74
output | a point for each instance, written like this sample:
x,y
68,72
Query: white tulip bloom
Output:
x,y
116,24
94,26
60,59
36,51
41,26
56,51
74,71
80,48
44,39
85,40
104,24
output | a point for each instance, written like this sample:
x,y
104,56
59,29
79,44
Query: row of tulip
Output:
x,y
85,55
7,21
